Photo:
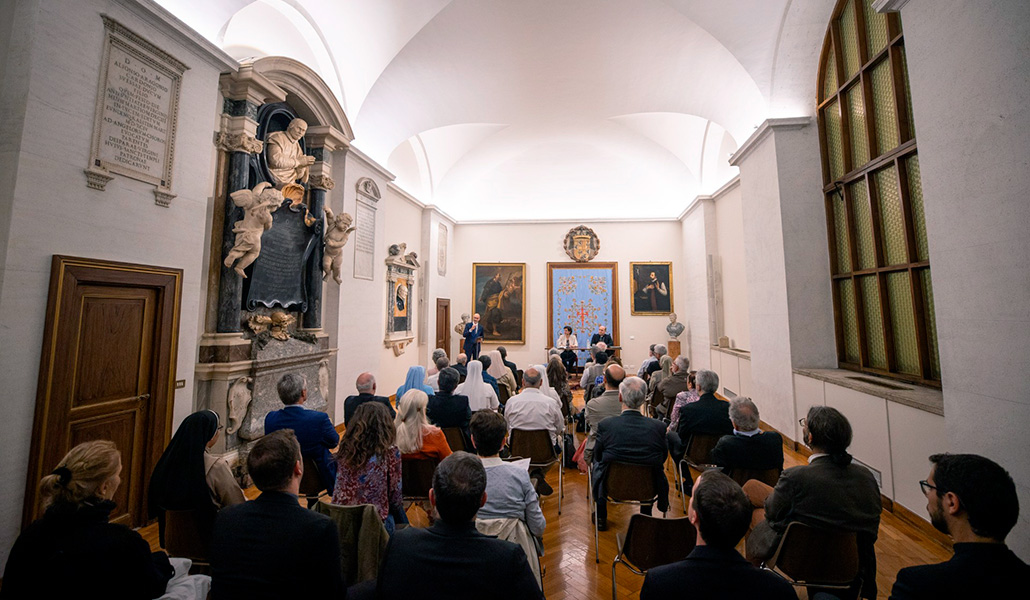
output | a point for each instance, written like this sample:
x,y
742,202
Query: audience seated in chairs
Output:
x,y
512,509
721,513
452,559
432,380
369,465
434,359
593,367
447,409
663,370
831,492
414,380
271,547
558,378
495,367
514,369
683,398
188,478
973,500
604,406
708,415
749,448
675,383
313,429
480,394
73,551
460,366
366,386
629,438
487,377
642,372
532,410
416,438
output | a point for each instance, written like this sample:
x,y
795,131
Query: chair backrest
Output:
x,y
766,476
186,534
311,483
417,477
631,483
810,555
699,446
505,392
362,540
652,542
535,444
455,439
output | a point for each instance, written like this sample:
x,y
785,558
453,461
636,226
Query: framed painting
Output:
x,y
650,288
583,296
498,295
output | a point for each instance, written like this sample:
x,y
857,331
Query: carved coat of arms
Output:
x,y
582,244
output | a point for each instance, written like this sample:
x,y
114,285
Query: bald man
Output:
x,y
366,385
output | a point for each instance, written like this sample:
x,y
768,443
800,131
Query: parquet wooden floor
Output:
x,y
572,574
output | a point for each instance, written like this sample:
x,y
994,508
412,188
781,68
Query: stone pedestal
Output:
x,y
674,348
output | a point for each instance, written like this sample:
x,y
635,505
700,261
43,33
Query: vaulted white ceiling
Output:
x,y
531,109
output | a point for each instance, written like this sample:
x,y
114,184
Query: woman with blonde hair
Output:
x,y
416,438
369,464
73,551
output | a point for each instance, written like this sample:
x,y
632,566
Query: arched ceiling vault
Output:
x,y
527,109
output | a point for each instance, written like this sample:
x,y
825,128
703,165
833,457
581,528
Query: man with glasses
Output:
x,y
973,500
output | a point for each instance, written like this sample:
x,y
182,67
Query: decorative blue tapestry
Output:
x,y
584,297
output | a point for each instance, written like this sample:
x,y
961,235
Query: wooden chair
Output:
x,y
186,535
455,439
652,542
626,484
698,447
505,393
766,476
820,558
538,446
417,480
311,486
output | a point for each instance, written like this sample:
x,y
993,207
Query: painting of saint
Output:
x,y
651,288
498,297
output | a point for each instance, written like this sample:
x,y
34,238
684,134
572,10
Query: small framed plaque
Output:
x,y
137,110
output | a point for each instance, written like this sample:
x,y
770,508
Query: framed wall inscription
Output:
x,y
365,228
651,288
137,110
498,295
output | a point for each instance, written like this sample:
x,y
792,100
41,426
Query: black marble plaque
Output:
x,y
277,276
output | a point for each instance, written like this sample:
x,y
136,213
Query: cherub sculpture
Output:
x,y
258,205
335,239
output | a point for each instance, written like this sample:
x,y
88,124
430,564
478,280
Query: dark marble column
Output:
x,y
313,274
230,287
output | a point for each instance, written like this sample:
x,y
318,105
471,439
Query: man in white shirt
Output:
x,y
533,410
433,380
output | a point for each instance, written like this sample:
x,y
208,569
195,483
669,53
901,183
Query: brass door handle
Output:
x,y
143,397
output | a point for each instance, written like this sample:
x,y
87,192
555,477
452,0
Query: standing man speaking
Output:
x,y
473,335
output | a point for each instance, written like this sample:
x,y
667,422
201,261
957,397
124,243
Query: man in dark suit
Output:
x,y
472,335
271,547
447,409
830,492
748,447
366,385
601,336
707,415
630,438
720,513
314,431
973,500
510,365
452,559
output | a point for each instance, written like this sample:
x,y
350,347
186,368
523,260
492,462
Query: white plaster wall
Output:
x,y
730,245
914,436
537,244
403,225
696,339
973,154
437,285
871,441
53,212
808,392
744,364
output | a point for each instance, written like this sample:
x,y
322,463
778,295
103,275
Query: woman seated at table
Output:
x,y
369,464
188,478
416,438
73,551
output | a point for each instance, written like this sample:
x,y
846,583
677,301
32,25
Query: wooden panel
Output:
x,y
443,324
125,429
113,351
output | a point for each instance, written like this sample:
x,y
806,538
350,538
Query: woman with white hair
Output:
x,y
416,438
480,393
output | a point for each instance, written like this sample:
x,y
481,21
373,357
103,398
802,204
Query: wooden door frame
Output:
x,y
168,283
447,326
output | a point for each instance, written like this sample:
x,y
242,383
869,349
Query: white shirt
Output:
x,y
433,381
532,410
566,342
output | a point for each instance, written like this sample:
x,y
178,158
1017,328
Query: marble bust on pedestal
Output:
x,y
674,328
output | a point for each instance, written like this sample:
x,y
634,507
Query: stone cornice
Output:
x,y
767,127
886,6
248,84
326,136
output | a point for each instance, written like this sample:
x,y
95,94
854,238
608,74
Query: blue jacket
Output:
x,y
315,433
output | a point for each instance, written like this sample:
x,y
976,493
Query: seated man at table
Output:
x,y
629,438
720,513
452,559
748,448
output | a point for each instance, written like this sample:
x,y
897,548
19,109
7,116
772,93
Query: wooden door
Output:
x,y
443,325
107,372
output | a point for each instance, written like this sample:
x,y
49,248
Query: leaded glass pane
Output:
x,y
830,84
915,197
876,28
870,289
849,320
892,219
834,140
856,115
840,234
903,322
863,218
931,324
885,112
908,95
849,39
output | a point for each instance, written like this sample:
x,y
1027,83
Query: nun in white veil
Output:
x,y
545,386
480,393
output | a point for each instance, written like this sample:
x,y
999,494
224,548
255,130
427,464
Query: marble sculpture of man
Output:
x,y
287,162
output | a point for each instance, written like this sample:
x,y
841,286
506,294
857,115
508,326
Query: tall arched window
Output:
x,y
882,293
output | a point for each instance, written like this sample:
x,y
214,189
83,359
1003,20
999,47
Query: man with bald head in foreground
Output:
x,y
366,385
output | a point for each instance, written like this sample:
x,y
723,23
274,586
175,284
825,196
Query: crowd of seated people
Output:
x,y
486,511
